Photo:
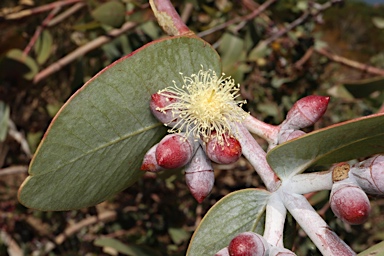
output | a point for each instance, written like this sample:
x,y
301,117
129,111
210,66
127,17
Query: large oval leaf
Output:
x,y
359,137
237,212
363,88
95,144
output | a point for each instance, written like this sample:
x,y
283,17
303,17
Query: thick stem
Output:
x,y
309,182
266,131
257,157
274,221
168,18
316,228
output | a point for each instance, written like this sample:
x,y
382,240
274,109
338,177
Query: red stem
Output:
x,y
168,18
39,30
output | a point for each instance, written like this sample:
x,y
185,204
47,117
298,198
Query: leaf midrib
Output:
x,y
102,146
303,167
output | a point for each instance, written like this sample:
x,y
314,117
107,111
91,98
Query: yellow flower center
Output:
x,y
206,105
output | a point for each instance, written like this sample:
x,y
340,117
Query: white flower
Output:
x,y
206,105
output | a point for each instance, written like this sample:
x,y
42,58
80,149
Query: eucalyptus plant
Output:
x,y
115,127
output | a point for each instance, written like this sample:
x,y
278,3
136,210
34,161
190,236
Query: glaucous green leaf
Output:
x,y
17,60
355,138
363,88
111,13
95,144
377,249
237,212
4,119
43,47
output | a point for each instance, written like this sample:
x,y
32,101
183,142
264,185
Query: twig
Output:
x,y
168,18
19,137
102,217
351,63
39,30
250,16
13,248
82,50
299,64
14,170
43,8
300,20
186,12
66,14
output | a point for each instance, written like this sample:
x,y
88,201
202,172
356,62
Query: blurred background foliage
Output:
x,y
49,49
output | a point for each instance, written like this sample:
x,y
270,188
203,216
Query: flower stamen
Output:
x,y
205,105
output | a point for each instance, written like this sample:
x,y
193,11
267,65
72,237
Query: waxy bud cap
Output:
x,y
158,102
199,175
369,174
149,162
228,153
248,244
223,252
174,151
349,202
306,112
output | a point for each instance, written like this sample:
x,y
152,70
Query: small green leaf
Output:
x,y
94,147
376,250
43,47
4,118
131,250
359,137
363,88
16,60
378,22
237,212
178,235
111,13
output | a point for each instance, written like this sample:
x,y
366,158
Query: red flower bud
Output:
x,y
228,153
199,176
223,252
158,102
349,202
149,162
306,112
369,174
174,151
248,244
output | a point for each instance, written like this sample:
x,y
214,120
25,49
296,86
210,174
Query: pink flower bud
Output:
x,y
223,252
228,153
349,202
199,175
279,251
290,134
149,162
158,102
306,112
369,174
248,244
174,151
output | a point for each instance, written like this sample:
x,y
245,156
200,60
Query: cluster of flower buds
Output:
x,y
348,200
252,244
182,150
304,112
